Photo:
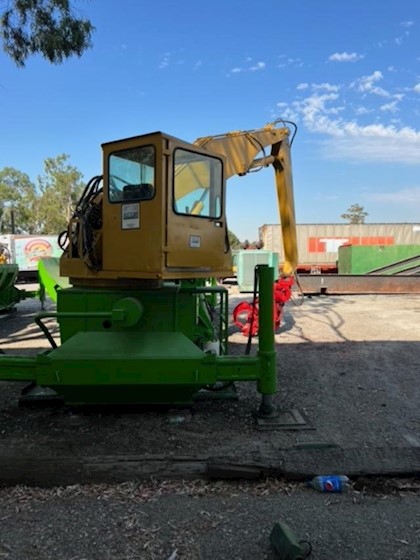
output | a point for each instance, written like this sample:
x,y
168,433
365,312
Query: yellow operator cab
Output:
x,y
160,215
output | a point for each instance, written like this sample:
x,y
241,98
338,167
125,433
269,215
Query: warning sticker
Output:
x,y
195,241
130,217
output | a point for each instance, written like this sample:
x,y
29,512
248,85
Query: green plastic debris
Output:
x,y
286,545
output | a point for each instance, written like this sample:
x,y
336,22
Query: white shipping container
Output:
x,y
318,243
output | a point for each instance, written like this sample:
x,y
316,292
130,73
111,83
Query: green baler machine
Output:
x,y
10,295
134,305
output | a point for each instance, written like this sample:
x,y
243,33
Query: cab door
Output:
x,y
196,225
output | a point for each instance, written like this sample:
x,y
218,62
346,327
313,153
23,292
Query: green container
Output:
x,y
362,259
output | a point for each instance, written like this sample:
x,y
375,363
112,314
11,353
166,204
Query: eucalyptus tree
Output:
x,y
46,27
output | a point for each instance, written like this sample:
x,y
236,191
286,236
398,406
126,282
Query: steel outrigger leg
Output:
x,y
267,383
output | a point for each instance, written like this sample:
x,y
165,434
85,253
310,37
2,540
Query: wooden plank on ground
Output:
x,y
293,464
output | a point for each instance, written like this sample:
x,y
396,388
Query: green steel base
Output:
x,y
134,395
124,367
131,367
138,346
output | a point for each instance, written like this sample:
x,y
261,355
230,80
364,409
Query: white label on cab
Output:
x,y
130,216
195,241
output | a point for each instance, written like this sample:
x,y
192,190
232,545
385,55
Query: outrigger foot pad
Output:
x,y
36,396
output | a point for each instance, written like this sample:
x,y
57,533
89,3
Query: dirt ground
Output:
x,y
207,521
348,364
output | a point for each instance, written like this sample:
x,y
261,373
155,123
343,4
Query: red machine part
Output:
x,y
245,314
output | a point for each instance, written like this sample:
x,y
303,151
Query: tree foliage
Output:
x,y
355,214
17,196
234,241
59,190
44,208
46,27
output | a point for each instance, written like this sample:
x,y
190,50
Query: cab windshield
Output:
x,y
132,174
198,184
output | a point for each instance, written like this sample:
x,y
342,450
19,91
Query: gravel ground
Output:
x,y
200,521
349,363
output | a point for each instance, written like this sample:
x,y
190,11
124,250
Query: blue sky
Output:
x,y
347,72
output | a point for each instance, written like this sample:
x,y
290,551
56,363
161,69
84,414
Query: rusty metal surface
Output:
x,y
335,284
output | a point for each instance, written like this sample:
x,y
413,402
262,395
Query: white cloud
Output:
x,y
336,110
325,86
362,110
198,64
375,142
347,140
286,112
165,60
257,66
391,107
403,196
287,61
314,109
366,81
407,32
345,57
175,58
416,88
366,84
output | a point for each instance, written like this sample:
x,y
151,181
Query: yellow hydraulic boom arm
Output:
x,y
241,149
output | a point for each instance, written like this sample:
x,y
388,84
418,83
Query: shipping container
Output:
x,y
318,243
26,250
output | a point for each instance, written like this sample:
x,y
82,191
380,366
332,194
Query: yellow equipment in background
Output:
x,y
161,214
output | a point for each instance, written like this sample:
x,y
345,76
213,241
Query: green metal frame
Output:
x,y
49,277
9,294
146,346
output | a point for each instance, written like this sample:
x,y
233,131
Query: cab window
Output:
x,y
198,184
132,174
